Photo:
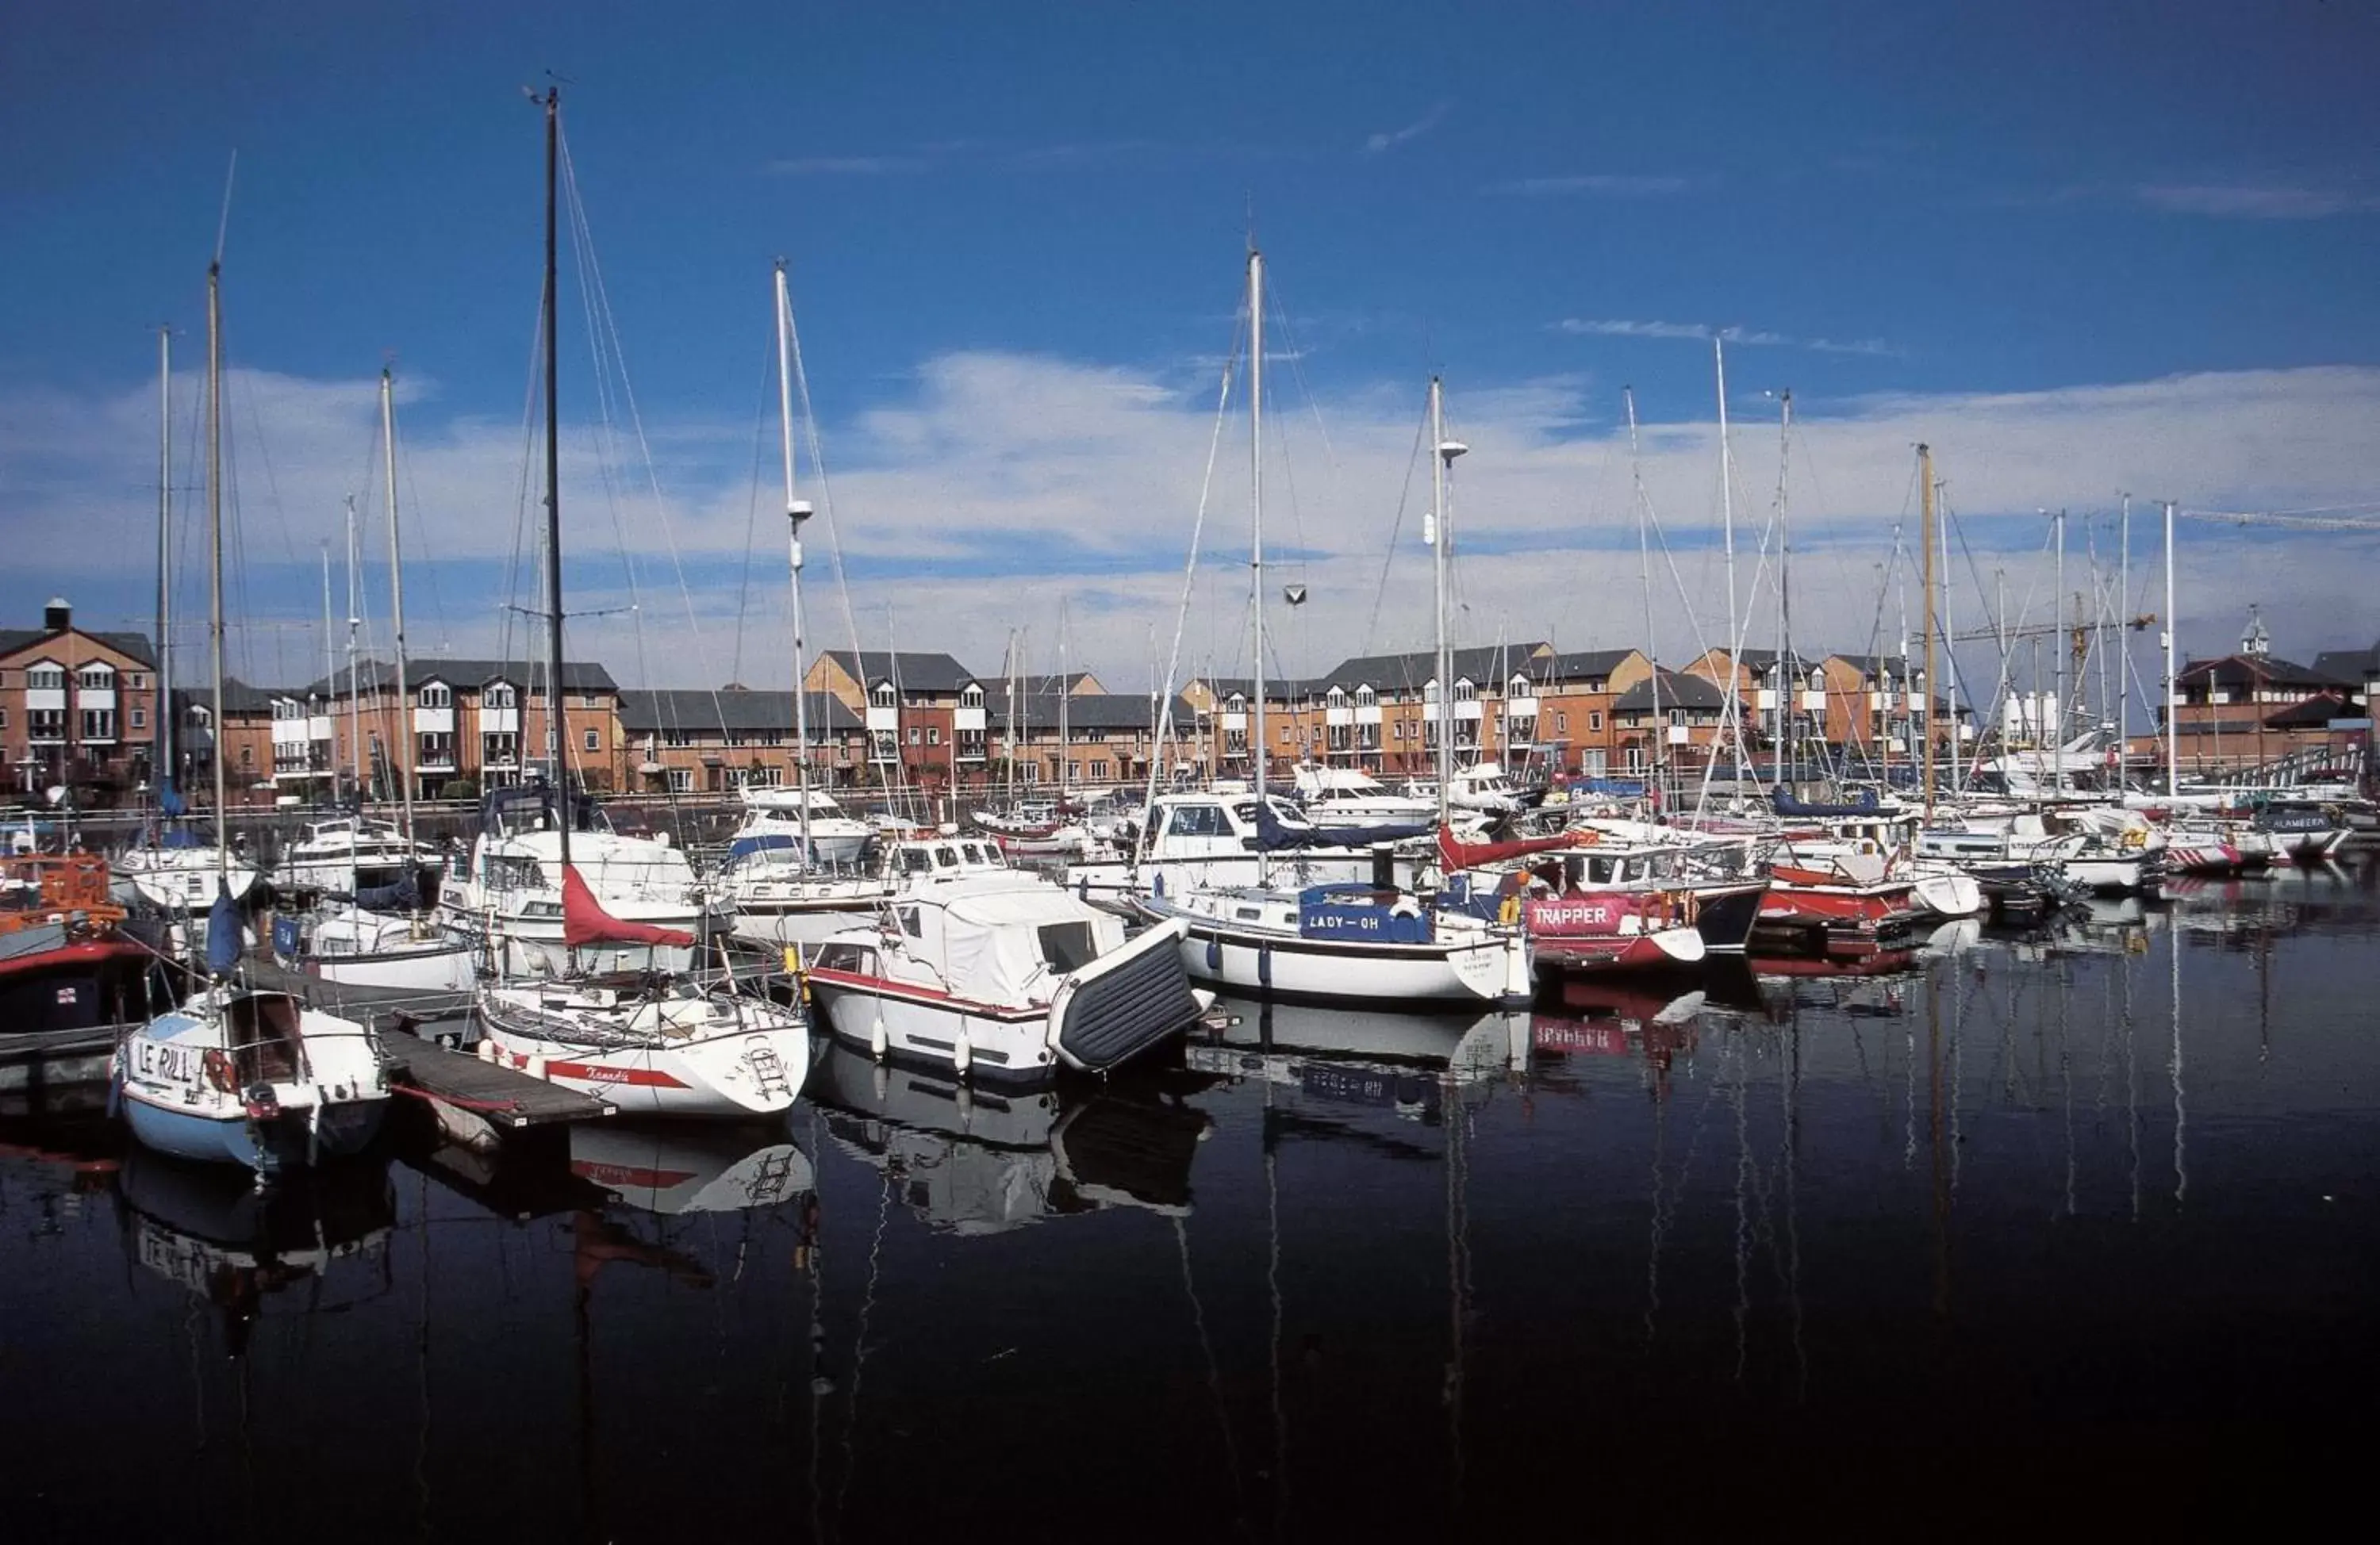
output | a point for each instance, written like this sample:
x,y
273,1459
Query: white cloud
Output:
x,y
1389,139
994,484
1595,327
2256,201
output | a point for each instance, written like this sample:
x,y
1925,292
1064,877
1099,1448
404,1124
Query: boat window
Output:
x,y
908,916
1197,820
914,861
845,956
946,857
1602,870
1066,946
1249,914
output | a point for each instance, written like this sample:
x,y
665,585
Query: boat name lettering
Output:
x,y
1572,914
153,1061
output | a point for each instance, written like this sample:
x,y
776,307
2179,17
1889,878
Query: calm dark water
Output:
x,y
2066,1226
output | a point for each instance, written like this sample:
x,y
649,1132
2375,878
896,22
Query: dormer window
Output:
x,y
1337,697
971,697
1429,691
1817,679
885,695
437,694
1464,691
1366,697
497,694
1519,687
97,677
45,676
1239,703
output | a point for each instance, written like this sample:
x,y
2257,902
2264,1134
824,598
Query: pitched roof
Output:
x,y
2355,665
2314,711
735,710
1278,689
582,676
1411,670
1094,710
1764,659
1580,665
914,671
238,697
1867,665
135,645
1678,690
2270,669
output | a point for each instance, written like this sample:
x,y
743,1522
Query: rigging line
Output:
x,y
810,438
1297,374
530,402
1190,563
425,560
1396,528
752,516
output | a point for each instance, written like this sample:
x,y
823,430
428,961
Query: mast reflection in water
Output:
x,y
2037,1221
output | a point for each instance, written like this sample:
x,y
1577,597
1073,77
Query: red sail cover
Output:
x,y
1457,855
584,921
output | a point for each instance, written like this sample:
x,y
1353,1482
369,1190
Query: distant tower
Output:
x,y
2256,643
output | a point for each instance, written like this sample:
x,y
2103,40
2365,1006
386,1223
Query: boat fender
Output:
x,y
1215,954
876,1044
536,1068
1264,965
487,1048
962,1053
1509,912
218,1067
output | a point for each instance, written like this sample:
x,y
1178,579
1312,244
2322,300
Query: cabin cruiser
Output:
x,y
178,873
509,900
774,829
1202,839
1330,795
999,976
1480,787
351,854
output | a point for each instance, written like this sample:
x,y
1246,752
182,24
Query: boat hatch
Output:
x,y
266,1045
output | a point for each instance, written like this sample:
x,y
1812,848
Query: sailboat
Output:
x,y
378,930
172,869
236,1074
1350,940
792,889
650,1042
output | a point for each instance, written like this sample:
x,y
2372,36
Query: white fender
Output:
x,y
536,1068
876,1044
962,1051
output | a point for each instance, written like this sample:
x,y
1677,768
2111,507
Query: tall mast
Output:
x,y
2124,637
1777,673
1644,582
1926,684
796,511
1065,741
2057,665
2172,682
215,561
329,643
1255,504
556,734
1950,644
164,562
404,748
1731,719
1441,545
355,664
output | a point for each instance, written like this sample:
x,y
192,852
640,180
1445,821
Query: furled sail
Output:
x,y
584,921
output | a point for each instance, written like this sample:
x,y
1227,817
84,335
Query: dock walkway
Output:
x,y
500,1096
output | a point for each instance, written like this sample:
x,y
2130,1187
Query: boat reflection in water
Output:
x,y
673,1169
234,1245
971,1161
1370,1058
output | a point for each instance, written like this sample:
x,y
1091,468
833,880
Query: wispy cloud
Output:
x,y
2254,200
1389,139
1600,327
1603,184
846,166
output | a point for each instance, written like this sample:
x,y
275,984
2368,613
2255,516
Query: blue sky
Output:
x,y
2079,248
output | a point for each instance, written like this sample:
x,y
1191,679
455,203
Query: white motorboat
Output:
x,y
1342,943
1001,977
180,873
355,946
350,854
775,824
1199,840
1332,795
650,1045
509,901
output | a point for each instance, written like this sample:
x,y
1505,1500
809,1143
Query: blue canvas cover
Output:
x,y
1358,916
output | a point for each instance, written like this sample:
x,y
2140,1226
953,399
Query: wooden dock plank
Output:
x,y
505,1096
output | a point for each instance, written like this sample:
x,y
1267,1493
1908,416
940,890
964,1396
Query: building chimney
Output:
x,y
58,617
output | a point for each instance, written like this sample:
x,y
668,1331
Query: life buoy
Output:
x,y
218,1069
